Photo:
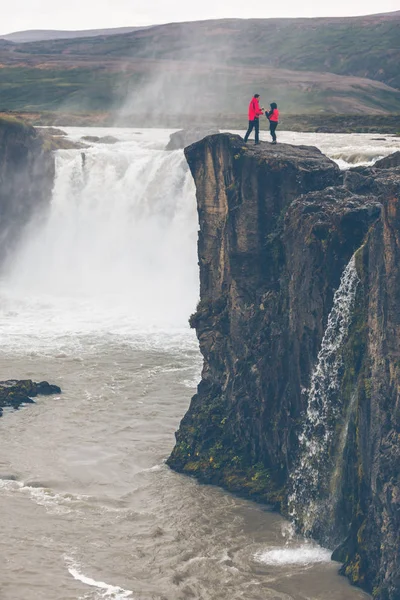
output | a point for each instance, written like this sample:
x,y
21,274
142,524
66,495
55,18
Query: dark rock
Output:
x,y
26,178
90,138
52,131
393,160
185,137
358,182
13,393
278,225
46,389
107,139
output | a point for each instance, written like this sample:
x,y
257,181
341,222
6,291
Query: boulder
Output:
x,y
393,160
13,393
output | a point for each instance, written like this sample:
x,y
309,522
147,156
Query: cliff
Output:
x,y
26,178
298,325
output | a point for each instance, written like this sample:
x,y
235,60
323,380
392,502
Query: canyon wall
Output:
x,y
298,403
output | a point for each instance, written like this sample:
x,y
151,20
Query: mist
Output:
x,y
207,71
119,238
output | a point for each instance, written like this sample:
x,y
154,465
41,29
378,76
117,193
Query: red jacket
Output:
x,y
254,109
273,115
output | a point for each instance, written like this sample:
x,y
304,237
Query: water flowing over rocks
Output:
x,y
280,298
13,393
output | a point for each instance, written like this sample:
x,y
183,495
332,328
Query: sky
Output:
x,y
92,14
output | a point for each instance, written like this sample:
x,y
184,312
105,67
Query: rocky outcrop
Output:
x,y
393,160
278,227
26,178
185,137
13,393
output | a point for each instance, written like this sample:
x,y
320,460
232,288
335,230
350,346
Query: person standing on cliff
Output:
x,y
273,118
254,113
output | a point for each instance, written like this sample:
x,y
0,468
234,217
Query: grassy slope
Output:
x,y
361,46
34,35
211,67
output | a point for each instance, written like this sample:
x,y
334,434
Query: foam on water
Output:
x,y
104,590
53,502
115,255
305,554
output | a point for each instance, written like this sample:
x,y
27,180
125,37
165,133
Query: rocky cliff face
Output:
x,y
298,404
26,178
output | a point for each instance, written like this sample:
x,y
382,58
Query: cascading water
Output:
x,y
309,479
115,253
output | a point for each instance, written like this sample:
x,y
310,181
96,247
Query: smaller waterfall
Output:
x,y
310,479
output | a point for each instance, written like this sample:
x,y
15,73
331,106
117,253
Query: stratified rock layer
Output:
x,y
278,225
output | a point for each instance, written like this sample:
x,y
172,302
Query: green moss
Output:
x,y
9,121
354,570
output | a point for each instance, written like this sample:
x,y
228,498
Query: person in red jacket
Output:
x,y
273,118
254,113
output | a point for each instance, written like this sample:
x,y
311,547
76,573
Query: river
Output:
x,y
96,299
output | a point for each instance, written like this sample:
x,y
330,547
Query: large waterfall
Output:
x,y
116,251
309,480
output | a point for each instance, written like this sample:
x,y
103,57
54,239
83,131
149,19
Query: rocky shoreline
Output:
x,y
278,227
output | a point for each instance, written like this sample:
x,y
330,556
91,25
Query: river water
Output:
x,y
96,299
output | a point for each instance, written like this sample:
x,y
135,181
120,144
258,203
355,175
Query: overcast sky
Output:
x,y
93,14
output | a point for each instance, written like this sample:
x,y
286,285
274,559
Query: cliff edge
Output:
x,y
27,170
298,325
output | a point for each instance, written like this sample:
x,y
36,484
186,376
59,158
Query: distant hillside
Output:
x,y
37,35
345,65
361,46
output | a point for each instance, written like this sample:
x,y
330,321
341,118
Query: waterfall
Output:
x,y
116,250
310,478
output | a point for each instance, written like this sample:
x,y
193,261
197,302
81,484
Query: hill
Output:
x,y
332,65
36,35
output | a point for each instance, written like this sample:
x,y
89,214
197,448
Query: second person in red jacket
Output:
x,y
254,113
273,118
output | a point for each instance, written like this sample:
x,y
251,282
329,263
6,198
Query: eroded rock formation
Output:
x,y
278,226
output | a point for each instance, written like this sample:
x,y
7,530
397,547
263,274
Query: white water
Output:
x,y
105,589
97,300
300,555
308,480
116,254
